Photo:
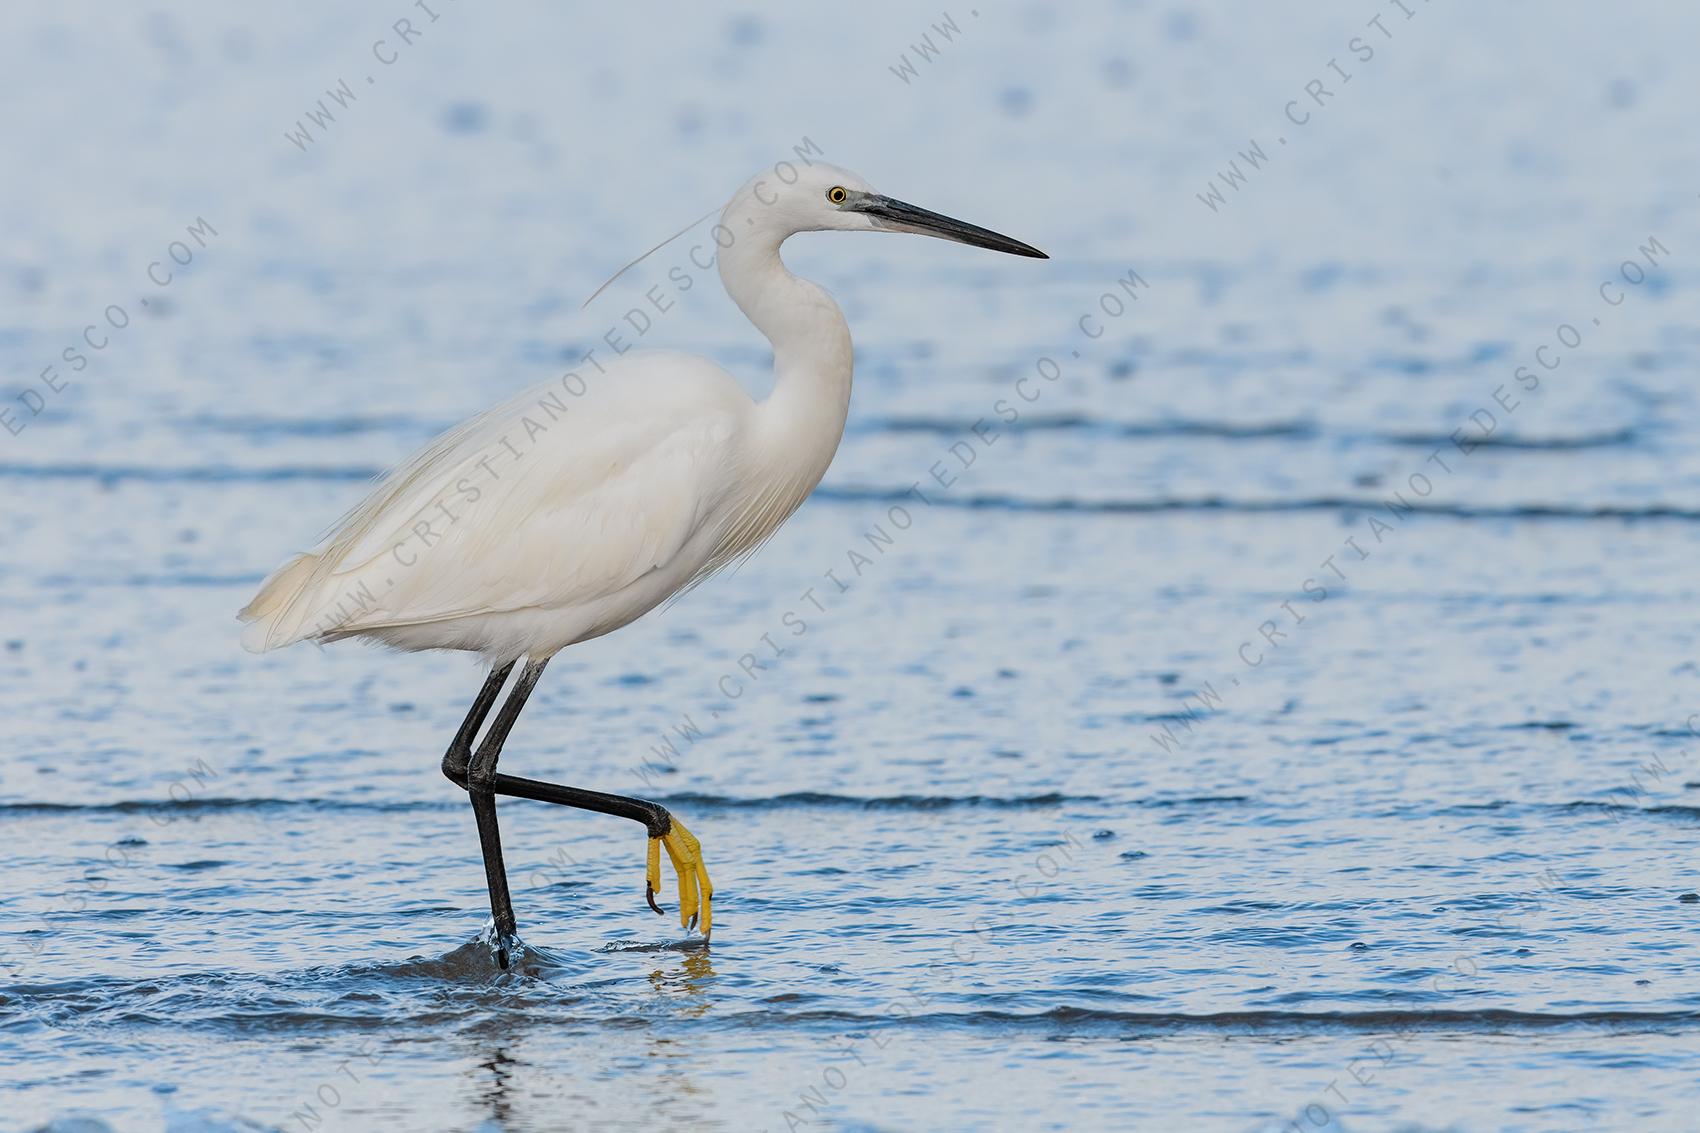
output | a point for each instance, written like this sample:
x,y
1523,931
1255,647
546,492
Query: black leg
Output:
x,y
655,818
459,755
480,776
473,771
476,773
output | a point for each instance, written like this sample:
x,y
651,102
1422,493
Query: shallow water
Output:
x,y
1145,768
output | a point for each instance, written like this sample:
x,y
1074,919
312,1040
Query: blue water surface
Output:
x,y
1237,675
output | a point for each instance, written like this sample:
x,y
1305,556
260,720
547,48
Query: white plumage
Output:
x,y
528,528
576,507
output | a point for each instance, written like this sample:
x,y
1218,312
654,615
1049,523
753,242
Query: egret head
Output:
x,y
817,197
821,197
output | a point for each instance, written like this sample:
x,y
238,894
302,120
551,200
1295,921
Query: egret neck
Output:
x,y
802,419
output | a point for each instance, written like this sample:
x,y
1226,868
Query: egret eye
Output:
x,y
836,194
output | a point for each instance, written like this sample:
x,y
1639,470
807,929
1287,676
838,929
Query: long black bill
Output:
x,y
900,216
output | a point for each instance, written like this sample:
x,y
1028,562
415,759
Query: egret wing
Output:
x,y
515,510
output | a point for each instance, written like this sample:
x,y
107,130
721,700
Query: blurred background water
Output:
x,y
1158,772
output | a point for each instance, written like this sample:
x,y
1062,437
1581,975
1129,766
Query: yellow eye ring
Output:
x,y
836,194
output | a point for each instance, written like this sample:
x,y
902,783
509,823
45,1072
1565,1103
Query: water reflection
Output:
x,y
686,982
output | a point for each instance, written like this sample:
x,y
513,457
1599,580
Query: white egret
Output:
x,y
578,506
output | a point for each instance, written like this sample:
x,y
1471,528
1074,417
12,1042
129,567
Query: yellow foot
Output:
x,y
686,854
